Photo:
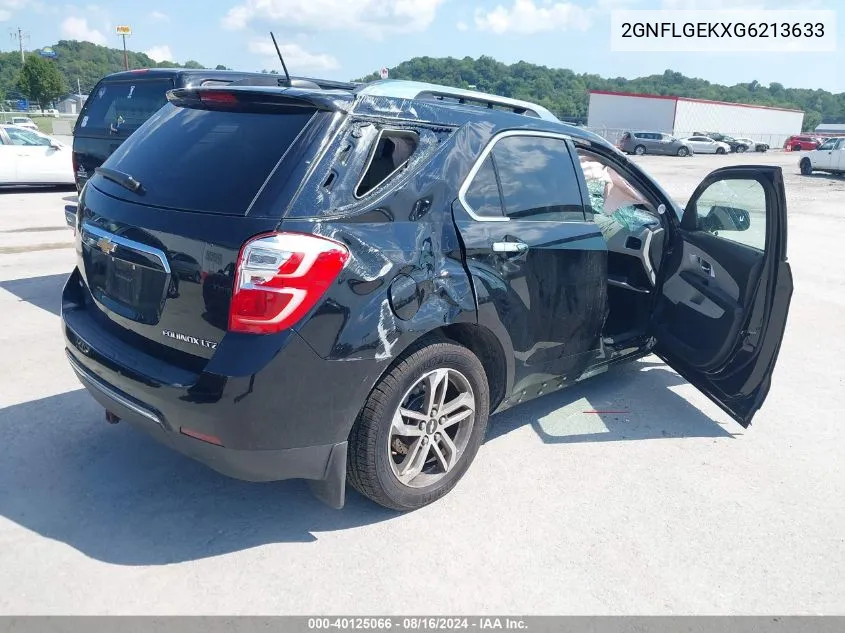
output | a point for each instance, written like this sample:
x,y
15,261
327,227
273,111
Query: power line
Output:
x,y
20,35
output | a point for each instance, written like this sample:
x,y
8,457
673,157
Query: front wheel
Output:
x,y
806,166
683,151
796,148
420,428
720,150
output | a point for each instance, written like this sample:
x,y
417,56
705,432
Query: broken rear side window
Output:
x,y
391,152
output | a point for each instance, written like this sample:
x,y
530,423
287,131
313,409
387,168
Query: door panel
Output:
x,y
8,163
33,165
726,288
538,266
550,298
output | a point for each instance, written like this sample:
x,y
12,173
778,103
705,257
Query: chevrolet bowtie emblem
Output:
x,y
106,245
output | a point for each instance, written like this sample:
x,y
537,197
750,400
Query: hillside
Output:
x,y
561,90
83,61
564,92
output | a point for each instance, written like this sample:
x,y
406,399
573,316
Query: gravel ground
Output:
x,y
671,508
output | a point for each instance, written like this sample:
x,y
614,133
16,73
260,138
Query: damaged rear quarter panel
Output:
x,y
405,276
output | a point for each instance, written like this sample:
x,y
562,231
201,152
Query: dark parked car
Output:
x,y
738,145
391,265
121,102
653,143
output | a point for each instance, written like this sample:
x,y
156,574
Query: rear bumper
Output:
x,y
324,465
262,409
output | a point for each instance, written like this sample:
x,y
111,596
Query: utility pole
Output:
x,y
20,36
125,58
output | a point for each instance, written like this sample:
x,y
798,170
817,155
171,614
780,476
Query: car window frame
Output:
x,y
488,150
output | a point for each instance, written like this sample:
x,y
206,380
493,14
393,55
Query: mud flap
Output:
x,y
331,490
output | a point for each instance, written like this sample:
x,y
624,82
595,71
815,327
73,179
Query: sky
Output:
x,y
346,39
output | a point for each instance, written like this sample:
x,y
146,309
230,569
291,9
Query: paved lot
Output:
x,y
671,508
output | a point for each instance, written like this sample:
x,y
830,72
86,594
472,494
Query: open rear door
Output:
x,y
726,288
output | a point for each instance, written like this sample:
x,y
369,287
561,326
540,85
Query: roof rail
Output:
x,y
433,92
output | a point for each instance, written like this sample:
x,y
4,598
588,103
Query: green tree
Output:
x,y
812,118
193,64
221,67
41,81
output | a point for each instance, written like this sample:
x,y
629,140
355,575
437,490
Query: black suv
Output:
x,y
368,274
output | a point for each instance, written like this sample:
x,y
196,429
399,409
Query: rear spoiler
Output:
x,y
260,98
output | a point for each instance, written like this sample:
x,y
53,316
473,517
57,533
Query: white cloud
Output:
x,y
160,53
462,26
158,16
372,18
526,17
680,5
297,58
8,6
78,29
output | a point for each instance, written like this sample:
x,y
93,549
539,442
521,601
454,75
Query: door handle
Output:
x,y
509,247
707,267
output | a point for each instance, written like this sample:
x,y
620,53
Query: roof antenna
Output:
x,y
281,59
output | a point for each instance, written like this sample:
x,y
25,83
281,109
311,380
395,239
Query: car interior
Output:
x,y
634,232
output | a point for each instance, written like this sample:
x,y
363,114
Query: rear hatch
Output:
x,y
115,109
163,220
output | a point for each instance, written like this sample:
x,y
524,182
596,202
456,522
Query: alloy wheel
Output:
x,y
431,428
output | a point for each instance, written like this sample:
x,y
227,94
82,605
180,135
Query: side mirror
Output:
x,y
721,218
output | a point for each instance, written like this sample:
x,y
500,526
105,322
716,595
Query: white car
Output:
x,y
829,157
33,158
24,121
706,145
52,112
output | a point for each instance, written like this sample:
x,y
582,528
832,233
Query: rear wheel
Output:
x,y
741,148
639,150
683,151
806,166
421,427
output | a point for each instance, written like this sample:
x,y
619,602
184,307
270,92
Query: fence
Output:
x,y
614,135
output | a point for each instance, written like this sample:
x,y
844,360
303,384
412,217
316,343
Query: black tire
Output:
x,y
720,150
368,467
806,166
639,150
796,148
741,149
683,151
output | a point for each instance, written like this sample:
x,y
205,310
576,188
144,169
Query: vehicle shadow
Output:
x,y
118,496
630,402
825,176
12,189
44,292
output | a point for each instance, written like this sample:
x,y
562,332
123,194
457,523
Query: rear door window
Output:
x,y
538,179
206,161
118,108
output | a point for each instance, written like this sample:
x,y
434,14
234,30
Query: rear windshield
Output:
x,y
118,108
205,161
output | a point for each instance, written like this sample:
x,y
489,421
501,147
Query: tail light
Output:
x,y
280,277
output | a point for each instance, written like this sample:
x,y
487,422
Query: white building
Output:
x,y
612,113
71,104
